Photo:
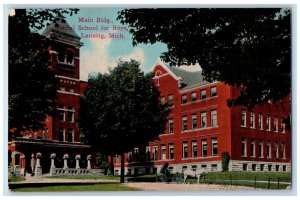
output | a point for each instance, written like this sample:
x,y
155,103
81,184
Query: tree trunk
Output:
x,y
122,167
112,170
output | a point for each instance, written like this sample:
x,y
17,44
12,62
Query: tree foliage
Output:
x,y
32,86
121,110
225,161
246,48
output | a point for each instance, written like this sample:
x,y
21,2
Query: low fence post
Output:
x,y
269,183
278,182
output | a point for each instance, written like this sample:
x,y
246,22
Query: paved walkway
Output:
x,y
185,187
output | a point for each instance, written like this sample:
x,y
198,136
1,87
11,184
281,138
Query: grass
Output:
x,y
260,176
77,188
15,179
87,177
246,179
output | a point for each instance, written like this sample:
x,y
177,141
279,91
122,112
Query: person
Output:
x,y
165,171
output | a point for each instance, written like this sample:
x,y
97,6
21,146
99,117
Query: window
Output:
x,y
268,149
163,152
253,167
184,168
245,166
194,121
147,153
194,168
155,153
47,134
204,148
243,118
214,144
61,134
270,167
252,120
170,100
203,166
268,123
282,150
252,148
72,90
284,168
262,167
195,149
275,124
184,150
171,151
203,94
282,127
184,123
214,167
171,126
213,92
277,168
244,146
70,135
260,121
61,113
193,96
261,149
162,100
203,120
213,115
276,150
69,56
183,99
61,56
71,112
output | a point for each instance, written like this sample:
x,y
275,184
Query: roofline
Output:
x,y
161,63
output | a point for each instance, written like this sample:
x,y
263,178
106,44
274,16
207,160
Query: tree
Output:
x,y
245,48
225,161
32,86
121,110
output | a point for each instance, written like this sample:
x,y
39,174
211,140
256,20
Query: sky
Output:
x,y
98,55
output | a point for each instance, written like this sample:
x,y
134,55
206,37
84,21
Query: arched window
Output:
x,y
70,56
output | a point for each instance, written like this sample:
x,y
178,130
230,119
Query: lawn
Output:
x,y
117,178
77,188
252,179
15,179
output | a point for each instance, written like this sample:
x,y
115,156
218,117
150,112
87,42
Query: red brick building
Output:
x,y
61,133
201,126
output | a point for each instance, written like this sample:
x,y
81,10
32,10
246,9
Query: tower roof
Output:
x,y
62,32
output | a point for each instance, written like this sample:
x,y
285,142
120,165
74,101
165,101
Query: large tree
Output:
x,y
247,48
121,110
32,86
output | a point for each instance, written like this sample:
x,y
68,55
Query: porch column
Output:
x,y
89,157
52,167
38,168
32,163
66,157
77,158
